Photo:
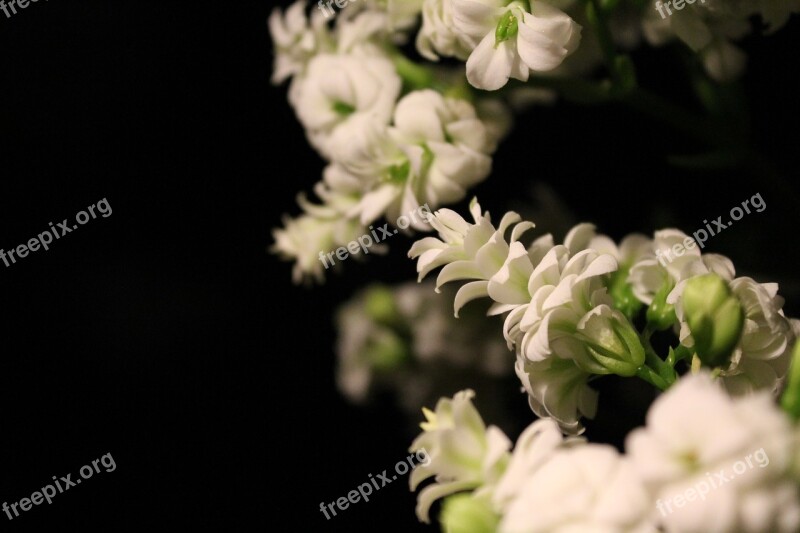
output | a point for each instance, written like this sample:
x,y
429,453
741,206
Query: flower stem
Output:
x,y
652,377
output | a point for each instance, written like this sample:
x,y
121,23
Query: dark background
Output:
x,y
168,337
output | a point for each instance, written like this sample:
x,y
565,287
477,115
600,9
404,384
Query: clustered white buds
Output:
x,y
569,308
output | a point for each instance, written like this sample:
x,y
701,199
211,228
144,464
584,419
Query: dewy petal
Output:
x,y
489,67
467,293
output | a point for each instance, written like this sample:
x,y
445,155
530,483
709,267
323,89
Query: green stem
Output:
x,y
415,76
652,360
597,18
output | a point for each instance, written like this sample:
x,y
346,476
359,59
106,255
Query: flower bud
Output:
x,y
386,351
380,305
660,314
714,316
790,401
612,344
622,293
464,513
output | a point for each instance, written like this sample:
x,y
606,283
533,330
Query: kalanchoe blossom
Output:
x,y
464,453
512,40
551,299
583,488
319,229
738,452
338,89
760,360
435,150
438,35
296,39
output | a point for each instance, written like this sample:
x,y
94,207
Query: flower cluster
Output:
x,y
549,484
391,142
396,133
570,308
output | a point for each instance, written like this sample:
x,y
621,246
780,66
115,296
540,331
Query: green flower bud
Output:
x,y
790,401
660,314
462,513
715,318
622,293
386,351
612,344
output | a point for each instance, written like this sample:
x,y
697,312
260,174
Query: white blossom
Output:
x,y
510,41
296,39
697,436
583,488
438,36
464,453
339,89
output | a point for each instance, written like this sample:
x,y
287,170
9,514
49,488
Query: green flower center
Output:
x,y
507,28
343,109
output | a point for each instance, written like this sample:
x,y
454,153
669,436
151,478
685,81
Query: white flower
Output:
x,y
464,454
675,258
533,448
736,452
557,388
338,89
436,149
510,42
296,39
467,251
303,238
321,228
580,489
448,145
437,36
761,359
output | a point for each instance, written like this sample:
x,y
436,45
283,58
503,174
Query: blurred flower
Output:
x,y
339,89
695,431
438,36
583,488
405,340
296,39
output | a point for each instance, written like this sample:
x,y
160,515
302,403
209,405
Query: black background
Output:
x,y
167,336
